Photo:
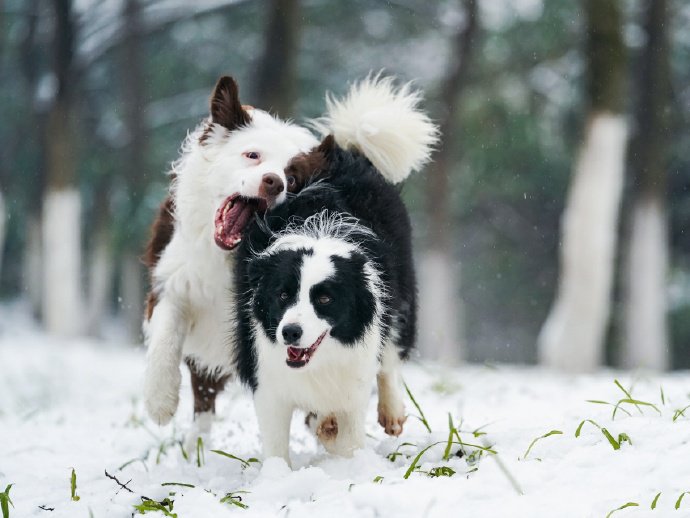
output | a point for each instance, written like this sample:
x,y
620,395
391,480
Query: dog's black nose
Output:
x,y
292,333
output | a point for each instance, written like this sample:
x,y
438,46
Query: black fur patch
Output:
x,y
271,277
352,305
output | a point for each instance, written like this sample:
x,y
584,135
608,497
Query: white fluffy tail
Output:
x,y
384,123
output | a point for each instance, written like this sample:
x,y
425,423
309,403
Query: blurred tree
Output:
x,y
646,338
62,296
34,173
276,80
441,315
573,335
135,173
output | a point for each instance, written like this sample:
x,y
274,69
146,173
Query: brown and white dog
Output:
x,y
231,167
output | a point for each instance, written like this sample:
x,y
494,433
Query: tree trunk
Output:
x,y
646,334
62,311
276,83
440,306
32,265
574,333
3,222
101,267
133,88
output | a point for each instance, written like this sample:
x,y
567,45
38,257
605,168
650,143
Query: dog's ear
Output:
x,y
327,147
226,108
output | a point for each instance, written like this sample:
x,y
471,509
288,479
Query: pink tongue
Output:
x,y
231,218
295,353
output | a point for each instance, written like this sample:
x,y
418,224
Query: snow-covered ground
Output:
x,y
76,405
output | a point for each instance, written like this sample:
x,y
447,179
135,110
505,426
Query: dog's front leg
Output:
x,y
390,408
274,416
166,332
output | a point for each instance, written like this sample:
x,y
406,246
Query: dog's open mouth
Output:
x,y
300,356
232,217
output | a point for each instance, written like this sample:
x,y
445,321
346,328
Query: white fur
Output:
x,y
384,123
193,276
337,380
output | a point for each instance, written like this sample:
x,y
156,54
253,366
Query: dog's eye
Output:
x,y
324,299
252,155
283,296
291,180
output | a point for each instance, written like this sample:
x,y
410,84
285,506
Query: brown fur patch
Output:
x,y
205,387
161,234
328,429
306,166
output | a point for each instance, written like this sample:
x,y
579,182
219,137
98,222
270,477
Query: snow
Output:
x,y
76,404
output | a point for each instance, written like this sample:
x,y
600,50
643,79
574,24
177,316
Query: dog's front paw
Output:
x,y
162,397
392,419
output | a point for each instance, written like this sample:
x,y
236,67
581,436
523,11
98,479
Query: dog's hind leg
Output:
x,y
206,386
389,380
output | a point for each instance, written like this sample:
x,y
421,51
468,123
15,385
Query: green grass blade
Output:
x,y
548,434
680,499
6,501
183,484
624,506
578,431
628,394
663,397
199,452
615,444
623,437
654,502
73,486
245,463
599,402
451,431
234,499
415,461
679,412
421,417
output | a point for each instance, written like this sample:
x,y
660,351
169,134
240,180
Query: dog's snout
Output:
x,y
271,185
292,333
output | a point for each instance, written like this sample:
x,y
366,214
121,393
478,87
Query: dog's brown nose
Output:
x,y
271,186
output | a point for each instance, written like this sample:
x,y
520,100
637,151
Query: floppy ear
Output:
x,y
226,108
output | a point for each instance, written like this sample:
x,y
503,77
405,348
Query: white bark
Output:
x,y
100,283
572,337
62,295
646,335
133,296
440,309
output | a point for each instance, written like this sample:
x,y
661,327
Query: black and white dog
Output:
x,y
326,283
